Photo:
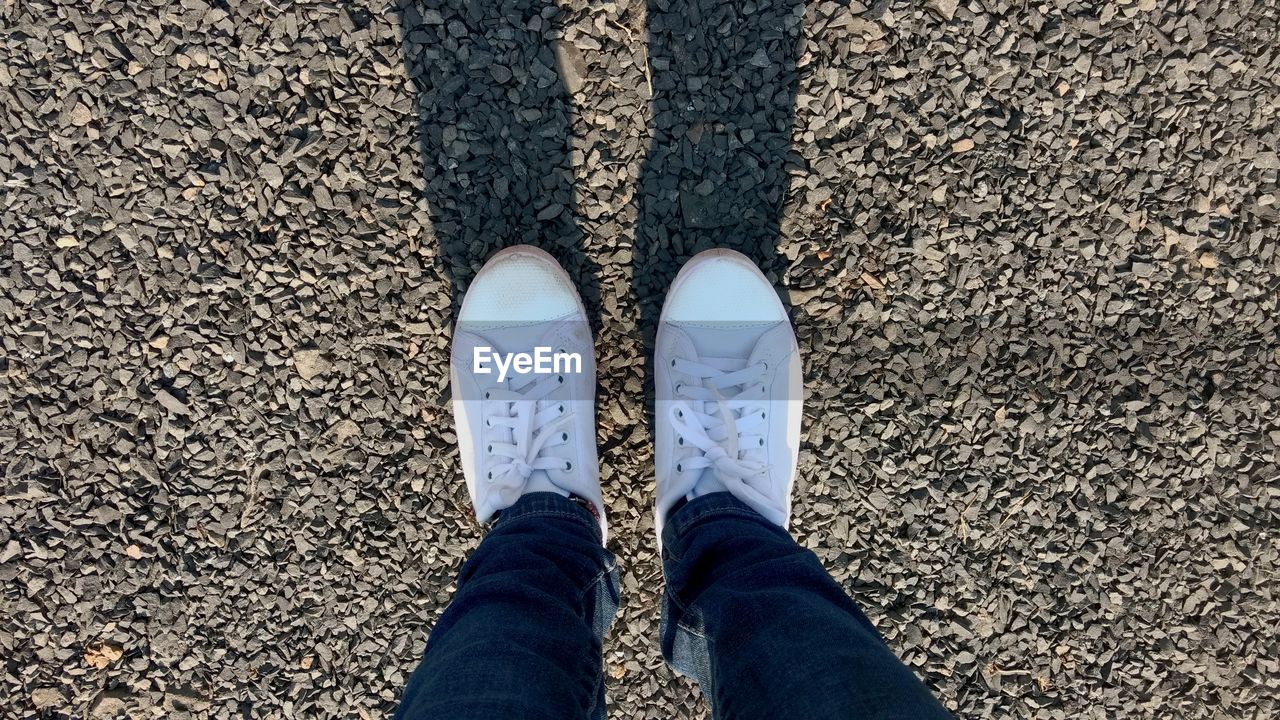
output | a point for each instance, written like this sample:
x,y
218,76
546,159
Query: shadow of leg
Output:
x,y
724,81
494,133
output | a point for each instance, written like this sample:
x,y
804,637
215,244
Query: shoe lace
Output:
x,y
710,416
535,423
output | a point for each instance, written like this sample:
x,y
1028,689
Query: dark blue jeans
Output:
x,y
748,613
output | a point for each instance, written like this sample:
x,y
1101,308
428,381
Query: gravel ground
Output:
x,y
1031,250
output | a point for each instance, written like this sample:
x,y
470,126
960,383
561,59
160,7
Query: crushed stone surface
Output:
x,y
1031,252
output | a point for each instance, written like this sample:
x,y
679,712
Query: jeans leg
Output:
x,y
766,632
522,637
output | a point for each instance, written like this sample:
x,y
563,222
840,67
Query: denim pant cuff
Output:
x,y
549,504
699,511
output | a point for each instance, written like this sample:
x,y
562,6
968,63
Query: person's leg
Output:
x,y
767,633
522,637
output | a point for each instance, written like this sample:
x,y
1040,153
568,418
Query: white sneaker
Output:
x,y
533,428
729,389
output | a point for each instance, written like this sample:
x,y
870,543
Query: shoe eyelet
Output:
x,y
680,441
490,474
679,467
488,423
673,362
560,378
680,414
762,415
562,409
568,466
761,442
490,450
486,394
564,437
766,365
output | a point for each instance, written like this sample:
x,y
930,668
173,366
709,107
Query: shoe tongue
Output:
x,y
736,341
706,484
540,481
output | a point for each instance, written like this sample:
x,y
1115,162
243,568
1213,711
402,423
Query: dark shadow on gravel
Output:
x,y
724,88
494,132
